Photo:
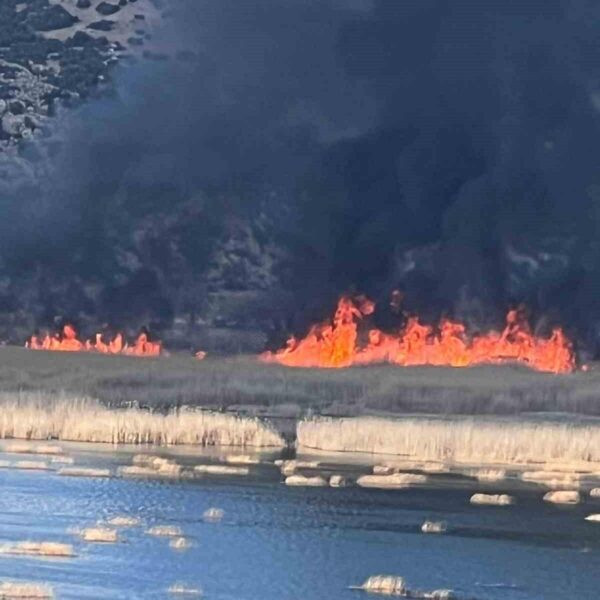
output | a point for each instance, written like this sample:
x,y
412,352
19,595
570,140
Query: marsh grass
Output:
x,y
13,590
40,549
244,382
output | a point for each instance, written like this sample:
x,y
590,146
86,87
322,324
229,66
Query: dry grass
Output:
x,y
563,497
434,527
492,499
183,590
302,481
42,549
389,585
241,459
31,465
179,543
32,416
102,535
220,470
489,474
552,479
461,440
394,481
337,481
13,590
17,448
213,515
123,521
165,531
228,383
83,472
63,460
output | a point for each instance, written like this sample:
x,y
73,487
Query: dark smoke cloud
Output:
x,y
448,149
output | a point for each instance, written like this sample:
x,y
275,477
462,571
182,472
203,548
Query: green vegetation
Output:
x,y
245,384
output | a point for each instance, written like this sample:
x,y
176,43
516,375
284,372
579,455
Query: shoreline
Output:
x,y
430,442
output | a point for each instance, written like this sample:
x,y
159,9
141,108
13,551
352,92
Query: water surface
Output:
x,y
277,543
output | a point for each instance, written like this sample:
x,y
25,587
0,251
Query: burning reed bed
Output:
x,y
35,417
461,440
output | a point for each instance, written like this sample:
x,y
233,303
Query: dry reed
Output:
x,y
17,448
389,585
470,440
213,514
338,481
123,521
31,465
165,531
45,549
395,481
85,420
301,481
552,479
13,590
593,518
434,527
563,497
492,499
383,470
241,459
48,449
63,460
99,534
489,474
179,543
221,470
181,589
83,472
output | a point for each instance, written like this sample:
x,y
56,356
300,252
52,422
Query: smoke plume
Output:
x,y
290,151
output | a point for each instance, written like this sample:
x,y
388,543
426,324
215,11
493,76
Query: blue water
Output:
x,y
282,543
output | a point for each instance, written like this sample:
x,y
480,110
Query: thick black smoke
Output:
x,y
298,150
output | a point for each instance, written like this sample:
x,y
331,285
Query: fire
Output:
x,y
67,341
336,343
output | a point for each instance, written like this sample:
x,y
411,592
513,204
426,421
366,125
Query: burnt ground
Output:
x,y
245,385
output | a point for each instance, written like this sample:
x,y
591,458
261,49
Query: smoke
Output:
x,y
302,150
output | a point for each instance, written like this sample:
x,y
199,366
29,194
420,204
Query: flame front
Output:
x,y
67,341
335,344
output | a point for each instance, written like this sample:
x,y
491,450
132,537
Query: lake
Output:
x,y
276,542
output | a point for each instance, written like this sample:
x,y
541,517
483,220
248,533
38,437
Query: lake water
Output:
x,y
280,543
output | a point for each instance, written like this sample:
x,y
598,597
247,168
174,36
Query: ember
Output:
x,y
335,344
67,341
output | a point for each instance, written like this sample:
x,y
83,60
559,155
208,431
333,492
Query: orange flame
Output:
x,y
335,344
67,342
